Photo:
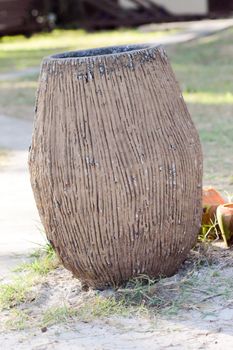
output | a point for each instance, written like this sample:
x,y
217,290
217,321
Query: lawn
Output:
x,y
18,52
204,69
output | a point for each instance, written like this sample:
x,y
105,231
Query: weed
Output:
x,y
17,320
99,307
94,306
16,292
60,314
140,291
209,232
20,289
44,261
41,266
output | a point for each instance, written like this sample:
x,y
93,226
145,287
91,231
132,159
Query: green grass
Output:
x,y
58,314
93,308
17,97
99,307
20,289
17,53
44,261
140,291
204,69
18,320
206,63
16,292
206,98
40,266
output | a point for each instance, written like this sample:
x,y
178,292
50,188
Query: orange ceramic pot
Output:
x,y
225,221
211,199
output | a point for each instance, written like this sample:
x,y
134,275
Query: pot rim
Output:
x,y
227,205
107,51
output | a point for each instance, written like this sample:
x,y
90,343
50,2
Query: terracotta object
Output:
x,y
211,199
116,164
225,221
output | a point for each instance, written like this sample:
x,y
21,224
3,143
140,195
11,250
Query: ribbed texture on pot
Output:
x,y
116,164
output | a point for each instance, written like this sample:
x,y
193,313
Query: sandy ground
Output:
x,y
203,319
126,334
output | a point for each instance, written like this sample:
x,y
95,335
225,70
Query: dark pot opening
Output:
x,y
112,50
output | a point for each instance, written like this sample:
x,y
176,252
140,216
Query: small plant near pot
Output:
x,y
209,231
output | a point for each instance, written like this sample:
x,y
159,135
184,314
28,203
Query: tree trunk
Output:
x,y
116,164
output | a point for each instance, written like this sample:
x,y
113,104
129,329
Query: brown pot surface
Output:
x,y
116,164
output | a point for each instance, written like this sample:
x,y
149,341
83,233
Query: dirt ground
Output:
x,y
196,312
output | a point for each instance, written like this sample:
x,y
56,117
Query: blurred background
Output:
x,y
28,16
198,37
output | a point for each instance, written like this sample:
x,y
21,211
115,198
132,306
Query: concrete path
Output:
x,y
19,74
20,228
194,30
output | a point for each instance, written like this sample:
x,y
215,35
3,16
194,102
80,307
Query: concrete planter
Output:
x,y
116,164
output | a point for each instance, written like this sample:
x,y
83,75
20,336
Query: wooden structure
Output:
x,y
24,16
28,16
92,14
220,7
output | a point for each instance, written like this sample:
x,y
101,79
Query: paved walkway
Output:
x,y
20,228
195,30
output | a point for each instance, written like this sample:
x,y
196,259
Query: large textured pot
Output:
x,y
116,164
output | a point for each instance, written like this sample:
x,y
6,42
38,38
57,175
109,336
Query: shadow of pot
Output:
x,y
225,221
211,199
